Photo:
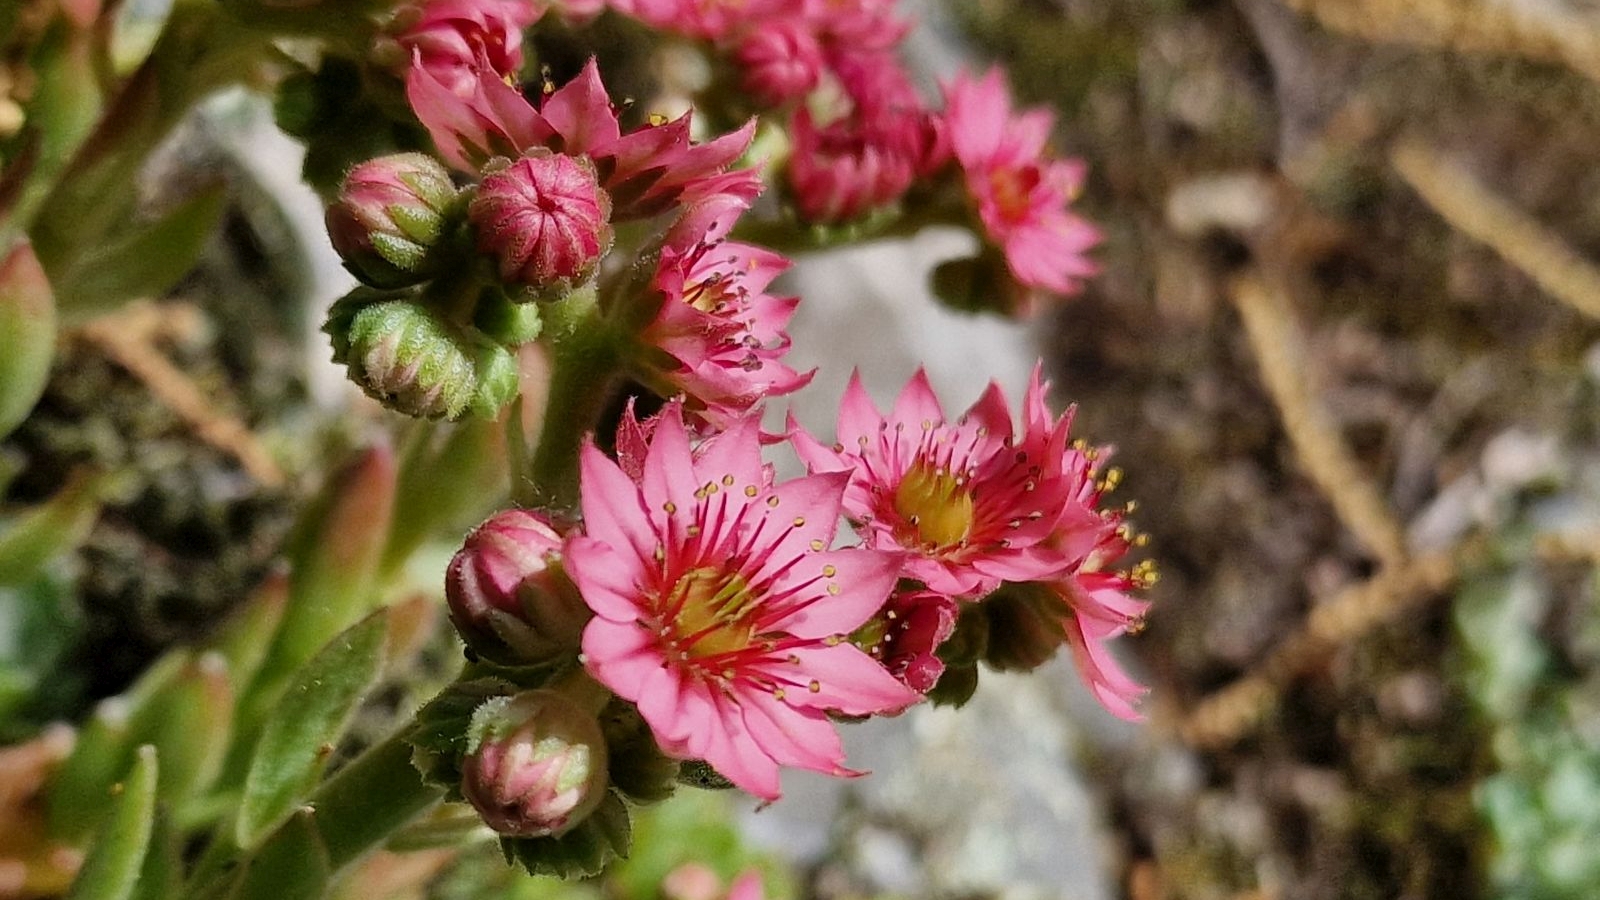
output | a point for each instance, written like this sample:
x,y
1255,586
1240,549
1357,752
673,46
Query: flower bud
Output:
x,y
844,171
780,62
452,38
498,378
905,636
405,356
389,216
545,220
535,764
508,595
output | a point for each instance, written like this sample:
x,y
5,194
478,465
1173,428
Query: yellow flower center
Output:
x,y
709,610
936,504
1013,190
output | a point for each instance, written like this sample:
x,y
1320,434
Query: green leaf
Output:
x,y
333,582
161,877
305,727
27,333
118,853
450,477
146,259
580,853
245,639
105,748
438,736
46,531
191,727
293,865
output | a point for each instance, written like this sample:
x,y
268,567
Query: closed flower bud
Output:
x,y
545,220
389,217
498,378
508,595
405,356
535,764
780,62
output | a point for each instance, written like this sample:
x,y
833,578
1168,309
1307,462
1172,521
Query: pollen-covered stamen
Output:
x,y
936,504
1013,191
707,612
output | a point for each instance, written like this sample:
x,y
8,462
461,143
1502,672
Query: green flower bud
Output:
x,y
405,356
389,217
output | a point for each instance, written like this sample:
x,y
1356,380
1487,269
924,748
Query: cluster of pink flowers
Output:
x,y
718,601
863,137
972,505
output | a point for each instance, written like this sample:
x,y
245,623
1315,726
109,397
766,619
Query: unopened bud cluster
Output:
x,y
459,267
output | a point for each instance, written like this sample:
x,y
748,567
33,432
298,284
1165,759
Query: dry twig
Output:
x,y
1544,32
1477,212
126,338
1280,350
1227,715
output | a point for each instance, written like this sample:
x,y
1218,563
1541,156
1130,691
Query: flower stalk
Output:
x,y
584,377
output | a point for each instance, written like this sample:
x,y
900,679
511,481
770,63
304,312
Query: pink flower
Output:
x,y
906,634
975,505
841,171
1020,192
718,337
972,504
859,24
1101,610
646,171
705,19
720,609
779,62
451,39
869,156
545,219
696,881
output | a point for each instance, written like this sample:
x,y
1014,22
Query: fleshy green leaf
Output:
x,y
293,865
161,877
306,725
580,853
192,726
245,639
27,333
438,736
333,582
118,853
106,748
53,528
147,259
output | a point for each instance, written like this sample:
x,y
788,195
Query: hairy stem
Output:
x,y
585,373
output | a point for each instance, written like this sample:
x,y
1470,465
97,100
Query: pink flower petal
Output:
x,y
846,680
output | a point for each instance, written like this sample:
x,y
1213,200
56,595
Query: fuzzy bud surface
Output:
x,y
535,764
389,216
508,595
545,220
